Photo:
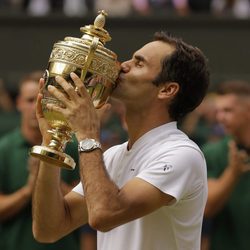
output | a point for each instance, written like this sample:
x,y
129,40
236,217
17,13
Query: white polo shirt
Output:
x,y
166,158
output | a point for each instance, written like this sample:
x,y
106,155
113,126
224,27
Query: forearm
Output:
x,y
219,191
101,194
49,211
12,204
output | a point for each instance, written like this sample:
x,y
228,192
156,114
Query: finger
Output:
x,y
41,85
58,94
79,84
68,88
55,108
39,110
244,157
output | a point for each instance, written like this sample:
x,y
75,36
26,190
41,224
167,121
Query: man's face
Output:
x,y
135,80
233,112
26,103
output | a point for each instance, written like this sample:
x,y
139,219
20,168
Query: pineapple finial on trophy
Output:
x,y
100,19
97,29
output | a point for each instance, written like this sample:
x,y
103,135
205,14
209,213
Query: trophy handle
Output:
x,y
89,57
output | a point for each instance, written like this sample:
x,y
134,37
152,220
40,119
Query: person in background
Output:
x,y
237,8
18,173
149,192
9,116
228,163
201,125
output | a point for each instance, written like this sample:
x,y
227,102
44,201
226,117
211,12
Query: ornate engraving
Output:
x,y
68,55
99,65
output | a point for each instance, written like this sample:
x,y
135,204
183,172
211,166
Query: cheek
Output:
x,y
29,108
220,116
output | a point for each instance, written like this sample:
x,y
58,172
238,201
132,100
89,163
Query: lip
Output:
x,y
119,79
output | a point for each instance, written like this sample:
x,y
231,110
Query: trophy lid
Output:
x,y
97,29
86,53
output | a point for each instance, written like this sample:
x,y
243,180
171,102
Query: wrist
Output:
x,y
83,136
88,145
234,173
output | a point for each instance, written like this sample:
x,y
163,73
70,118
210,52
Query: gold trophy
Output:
x,y
98,69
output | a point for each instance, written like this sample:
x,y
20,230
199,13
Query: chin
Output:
x,y
116,91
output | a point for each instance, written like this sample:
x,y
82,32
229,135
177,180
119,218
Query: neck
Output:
x,y
141,122
32,134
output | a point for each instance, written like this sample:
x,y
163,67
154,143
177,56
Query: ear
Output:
x,y
168,90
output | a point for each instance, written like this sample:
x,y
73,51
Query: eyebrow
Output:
x,y
140,58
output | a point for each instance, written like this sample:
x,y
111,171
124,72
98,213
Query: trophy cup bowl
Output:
x,y
98,69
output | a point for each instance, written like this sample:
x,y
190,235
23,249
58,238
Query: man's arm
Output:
x,y
108,206
219,190
12,204
54,216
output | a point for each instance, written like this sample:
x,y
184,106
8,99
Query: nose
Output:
x,y
125,66
219,116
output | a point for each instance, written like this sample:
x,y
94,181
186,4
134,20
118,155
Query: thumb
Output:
x,y
39,111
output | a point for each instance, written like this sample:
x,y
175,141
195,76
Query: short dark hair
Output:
x,y
33,76
188,67
236,87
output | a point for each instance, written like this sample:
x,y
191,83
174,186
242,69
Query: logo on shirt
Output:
x,y
167,167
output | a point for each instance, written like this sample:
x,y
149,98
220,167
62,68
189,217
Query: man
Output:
x,y
18,172
147,193
228,170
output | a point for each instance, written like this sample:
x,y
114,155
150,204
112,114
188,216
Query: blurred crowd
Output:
x,y
123,8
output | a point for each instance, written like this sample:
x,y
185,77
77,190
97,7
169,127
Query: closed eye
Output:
x,y
138,63
139,60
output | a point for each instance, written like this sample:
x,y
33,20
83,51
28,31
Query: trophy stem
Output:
x,y
59,139
53,153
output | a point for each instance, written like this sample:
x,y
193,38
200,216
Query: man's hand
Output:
x,y
220,189
238,160
78,108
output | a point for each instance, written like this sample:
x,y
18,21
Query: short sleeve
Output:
x,y
177,172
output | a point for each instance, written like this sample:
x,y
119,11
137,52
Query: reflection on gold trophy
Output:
x,y
97,67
